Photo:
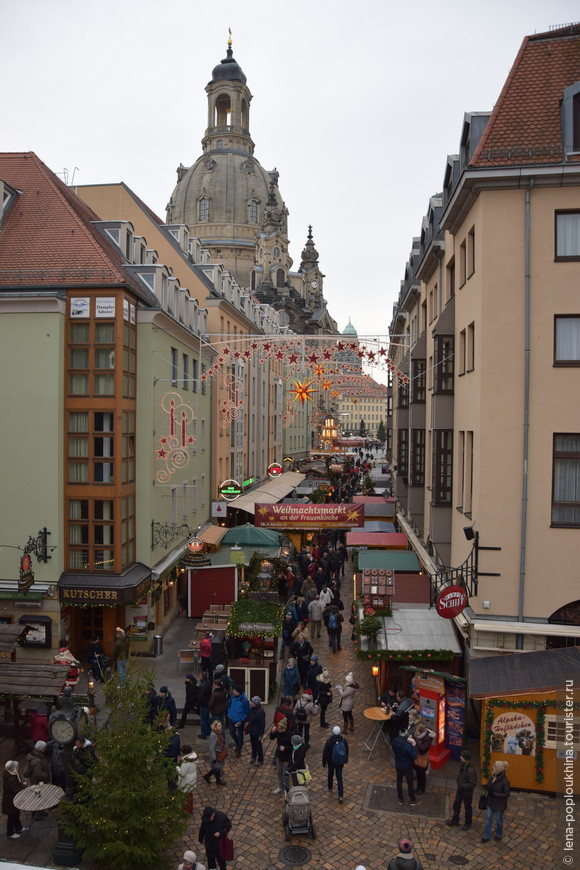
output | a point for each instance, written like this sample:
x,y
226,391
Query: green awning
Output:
x,y
395,560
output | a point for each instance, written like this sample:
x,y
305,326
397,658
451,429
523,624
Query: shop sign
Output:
x,y
430,683
196,545
451,601
230,490
275,469
248,482
252,627
513,733
309,516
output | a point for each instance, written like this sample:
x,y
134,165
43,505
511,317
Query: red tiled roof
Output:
x,y
47,237
524,127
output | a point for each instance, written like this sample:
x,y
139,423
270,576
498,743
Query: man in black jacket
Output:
x,y
335,757
203,693
191,694
466,782
214,826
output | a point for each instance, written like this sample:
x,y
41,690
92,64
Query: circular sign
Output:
x,y
196,545
275,469
25,564
451,601
230,490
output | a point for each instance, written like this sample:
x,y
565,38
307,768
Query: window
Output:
x,y
417,476
566,481
568,235
567,340
471,252
402,395
470,348
442,482
280,278
418,382
462,351
203,208
253,212
185,372
451,279
194,367
174,357
444,363
403,452
462,264
203,434
562,732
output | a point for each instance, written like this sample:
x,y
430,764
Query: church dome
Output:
x,y
228,70
349,329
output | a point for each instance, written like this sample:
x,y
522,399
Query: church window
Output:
x,y
253,211
223,111
276,252
204,209
253,280
280,278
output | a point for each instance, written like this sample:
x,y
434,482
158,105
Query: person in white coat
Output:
x,y
304,710
347,699
187,774
190,861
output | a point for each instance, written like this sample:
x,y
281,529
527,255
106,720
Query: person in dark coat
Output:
x,y
11,785
203,696
302,649
191,695
311,677
324,696
172,751
288,627
214,826
256,727
218,703
405,860
497,793
329,760
167,705
94,653
290,678
466,782
405,753
153,701
283,738
39,724
297,759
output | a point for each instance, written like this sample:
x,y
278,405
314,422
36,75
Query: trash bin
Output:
x,y
158,645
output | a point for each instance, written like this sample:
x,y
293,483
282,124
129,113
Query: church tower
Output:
x,y
223,196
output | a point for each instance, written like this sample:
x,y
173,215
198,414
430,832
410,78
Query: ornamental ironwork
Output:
x,y
166,534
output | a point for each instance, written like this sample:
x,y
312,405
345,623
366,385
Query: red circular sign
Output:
x,y
196,545
451,601
25,564
275,469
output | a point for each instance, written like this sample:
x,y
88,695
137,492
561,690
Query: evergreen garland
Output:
x,y
245,610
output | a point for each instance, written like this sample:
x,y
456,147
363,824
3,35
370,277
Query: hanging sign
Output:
x,y
196,545
451,601
275,469
230,490
309,516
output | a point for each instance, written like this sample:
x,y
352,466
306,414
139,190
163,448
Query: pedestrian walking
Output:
x,y
290,679
256,726
297,760
215,826
187,774
288,627
497,793
347,701
466,782
301,651
333,621
203,696
238,712
423,739
283,738
167,705
311,677
205,650
304,711
121,655
218,703
315,611
325,595
190,861
324,695
405,860
405,753
191,696
334,757
217,753
11,785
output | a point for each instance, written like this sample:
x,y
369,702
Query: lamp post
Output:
x,y
65,726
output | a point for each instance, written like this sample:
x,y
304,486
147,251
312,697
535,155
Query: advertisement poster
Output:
x,y
310,516
105,306
455,718
80,306
513,733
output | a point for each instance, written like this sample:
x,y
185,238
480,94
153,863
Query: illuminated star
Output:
x,y
302,391
352,515
293,359
280,354
313,359
162,453
319,370
326,385
335,394
262,510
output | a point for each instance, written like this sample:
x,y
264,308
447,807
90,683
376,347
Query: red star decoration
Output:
x,y
220,359
382,351
313,359
237,355
226,351
292,359
360,353
339,345
163,440
191,440
162,453
371,356
266,346
247,354
327,354
280,354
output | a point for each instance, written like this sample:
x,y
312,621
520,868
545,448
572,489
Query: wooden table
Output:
x,y
193,644
377,715
31,802
210,626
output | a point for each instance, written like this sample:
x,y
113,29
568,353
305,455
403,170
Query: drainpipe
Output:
x,y
526,433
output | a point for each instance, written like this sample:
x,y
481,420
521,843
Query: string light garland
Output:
x,y
258,613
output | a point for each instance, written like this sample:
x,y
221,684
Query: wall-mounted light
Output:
x,y
375,670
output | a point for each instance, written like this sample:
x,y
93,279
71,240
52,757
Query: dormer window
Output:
x,y
570,119
204,209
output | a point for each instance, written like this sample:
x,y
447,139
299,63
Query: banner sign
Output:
x,y
310,516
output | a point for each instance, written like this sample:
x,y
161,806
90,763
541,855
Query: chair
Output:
x,y
216,608
227,608
187,657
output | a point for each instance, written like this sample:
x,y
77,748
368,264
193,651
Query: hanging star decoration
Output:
x,y
302,391
319,370
326,385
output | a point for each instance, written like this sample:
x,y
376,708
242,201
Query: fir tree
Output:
x,y
123,814
381,432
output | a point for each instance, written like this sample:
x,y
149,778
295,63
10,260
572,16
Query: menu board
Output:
x,y
455,695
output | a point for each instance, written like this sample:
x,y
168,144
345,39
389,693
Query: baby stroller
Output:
x,y
297,814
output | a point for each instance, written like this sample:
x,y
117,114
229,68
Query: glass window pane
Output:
x,y
105,358
79,385
103,509
104,385
78,472
79,358
568,339
105,333
78,447
103,560
78,421
103,421
568,235
103,472
79,333
79,559
78,509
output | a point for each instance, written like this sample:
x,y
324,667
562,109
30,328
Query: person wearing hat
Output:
x,y
290,678
497,793
347,699
238,712
297,758
334,757
218,701
190,861
324,695
191,695
466,782
37,764
256,727
314,669
167,705
12,784
187,774
283,738
304,711
214,826
405,860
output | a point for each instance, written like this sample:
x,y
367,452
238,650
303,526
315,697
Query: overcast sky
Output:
x,y
357,104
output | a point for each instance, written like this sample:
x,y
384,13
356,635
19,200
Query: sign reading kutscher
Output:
x,y
451,601
310,516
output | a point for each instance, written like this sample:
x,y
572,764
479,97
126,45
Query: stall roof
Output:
x,y
377,526
377,539
249,535
408,628
213,534
223,556
524,672
269,493
368,499
396,560
382,509
9,635
31,681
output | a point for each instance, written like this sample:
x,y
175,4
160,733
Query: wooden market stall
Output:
x,y
527,699
254,628
382,540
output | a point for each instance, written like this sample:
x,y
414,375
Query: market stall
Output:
x,y
253,631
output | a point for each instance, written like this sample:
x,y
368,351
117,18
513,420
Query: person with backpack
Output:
x,y
334,757
405,860
333,620
304,711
